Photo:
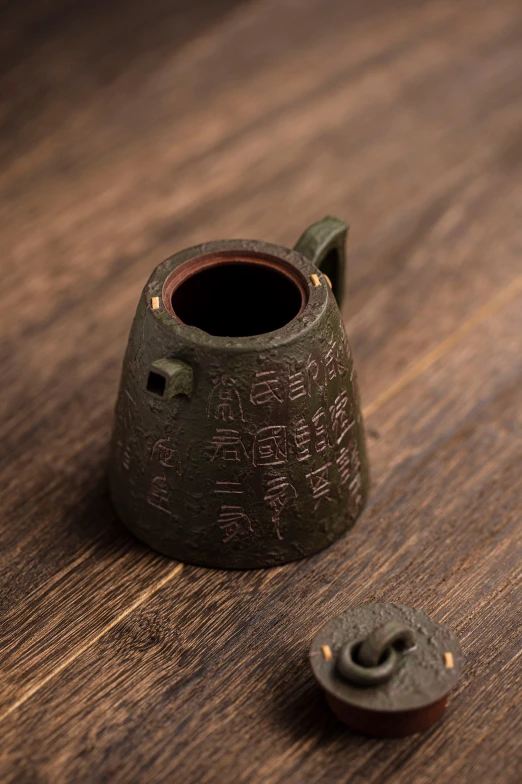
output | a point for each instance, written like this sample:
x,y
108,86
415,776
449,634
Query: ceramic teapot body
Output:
x,y
238,440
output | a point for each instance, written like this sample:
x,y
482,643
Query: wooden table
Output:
x,y
130,130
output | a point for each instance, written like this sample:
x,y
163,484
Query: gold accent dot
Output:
x,y
327,652
315,280
448,660
155,303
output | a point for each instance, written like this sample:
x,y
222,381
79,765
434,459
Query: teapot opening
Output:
x,y
235,295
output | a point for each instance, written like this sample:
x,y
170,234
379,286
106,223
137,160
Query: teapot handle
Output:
x,y
324,243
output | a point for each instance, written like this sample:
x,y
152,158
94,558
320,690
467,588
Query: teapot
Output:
x,y
238,438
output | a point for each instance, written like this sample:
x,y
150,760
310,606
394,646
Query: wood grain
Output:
x,y
213,674
121,143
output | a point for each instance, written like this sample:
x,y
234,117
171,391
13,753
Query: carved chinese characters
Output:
x,y
231,519
224,401
227,445
306,450
270,446
267,387
340,417
320,484
166,454
159,495
279,492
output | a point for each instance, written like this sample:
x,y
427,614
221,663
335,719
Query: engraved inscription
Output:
x,y
335,358
320,484
316,374
266,388
356,480
339,416
279,492
224,401
126,454
126,413
126,457
302,440
270,446
227,445
348,463
233,519
274,386
343,463
297,386
166,454
159,495
321,441
312,438
229,488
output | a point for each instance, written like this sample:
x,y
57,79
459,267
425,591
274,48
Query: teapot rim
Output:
x,y
312,284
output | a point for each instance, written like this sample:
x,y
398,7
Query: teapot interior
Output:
x,y
237,298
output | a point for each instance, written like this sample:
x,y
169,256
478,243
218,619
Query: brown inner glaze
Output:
x,y
235,295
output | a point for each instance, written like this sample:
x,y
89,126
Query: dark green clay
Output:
x,y
386,669
245,451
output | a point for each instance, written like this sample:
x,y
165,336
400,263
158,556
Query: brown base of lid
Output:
x,y
380,724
